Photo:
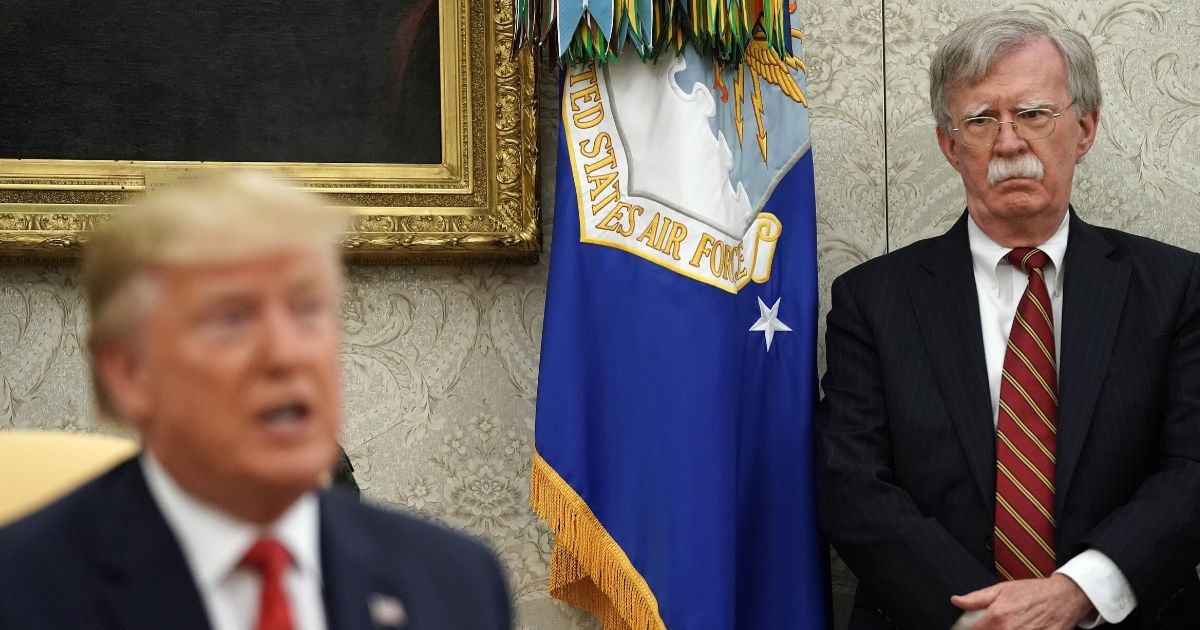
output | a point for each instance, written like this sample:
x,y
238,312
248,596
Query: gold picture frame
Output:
x,y
480,202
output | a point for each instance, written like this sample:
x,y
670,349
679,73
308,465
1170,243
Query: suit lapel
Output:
x,y
947,307
1093,298
352,583
147,585
145,579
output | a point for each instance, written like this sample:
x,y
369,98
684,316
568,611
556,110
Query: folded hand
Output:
x,y
1053,603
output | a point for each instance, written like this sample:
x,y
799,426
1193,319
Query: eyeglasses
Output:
x,y
978,132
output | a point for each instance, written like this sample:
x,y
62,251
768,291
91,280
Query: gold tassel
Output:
x,y
588,568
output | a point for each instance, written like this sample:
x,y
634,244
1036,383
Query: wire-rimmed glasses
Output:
x,y
978,132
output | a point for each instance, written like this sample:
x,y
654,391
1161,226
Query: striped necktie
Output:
x,y
1025,432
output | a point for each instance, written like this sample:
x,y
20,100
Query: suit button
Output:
x,y
990,543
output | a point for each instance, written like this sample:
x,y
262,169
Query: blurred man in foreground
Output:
x,y
215,336
1011,427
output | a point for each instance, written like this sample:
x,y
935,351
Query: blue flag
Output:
x,y
674,459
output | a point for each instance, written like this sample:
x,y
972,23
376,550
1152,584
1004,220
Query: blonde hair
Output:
x,y
232,216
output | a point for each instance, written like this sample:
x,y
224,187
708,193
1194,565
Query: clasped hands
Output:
x,y
1053,603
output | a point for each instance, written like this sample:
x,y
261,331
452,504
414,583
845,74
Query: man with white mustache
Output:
x,y
1010,433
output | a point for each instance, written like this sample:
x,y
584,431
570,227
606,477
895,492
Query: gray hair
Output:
x,y
966,54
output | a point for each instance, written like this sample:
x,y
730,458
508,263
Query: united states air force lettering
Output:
x,y
612,215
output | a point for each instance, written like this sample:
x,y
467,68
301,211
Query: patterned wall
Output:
x,y
441,362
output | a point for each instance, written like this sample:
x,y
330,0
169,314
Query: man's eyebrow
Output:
x,y
977,109
1037,103
303,280
227,292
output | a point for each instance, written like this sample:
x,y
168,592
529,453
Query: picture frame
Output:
x,y
478,202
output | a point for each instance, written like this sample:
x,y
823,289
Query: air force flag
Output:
x,y
674,460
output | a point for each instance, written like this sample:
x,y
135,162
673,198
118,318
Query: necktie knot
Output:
x,y
268,557
1027,259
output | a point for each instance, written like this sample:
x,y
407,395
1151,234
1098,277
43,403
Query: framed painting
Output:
x,y
412,114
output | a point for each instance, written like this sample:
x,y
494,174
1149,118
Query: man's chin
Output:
x,y
295,471
1015,200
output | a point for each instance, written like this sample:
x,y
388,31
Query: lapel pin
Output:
x,y
386,611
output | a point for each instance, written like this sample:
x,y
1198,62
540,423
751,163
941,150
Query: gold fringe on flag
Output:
x,y
588,568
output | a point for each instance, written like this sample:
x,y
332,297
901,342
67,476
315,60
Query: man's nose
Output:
x,y
283,340
1008,141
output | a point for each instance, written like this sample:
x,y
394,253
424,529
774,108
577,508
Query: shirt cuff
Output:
x,y
1104,585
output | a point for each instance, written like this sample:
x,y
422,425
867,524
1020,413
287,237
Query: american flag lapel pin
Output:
x,y
386,611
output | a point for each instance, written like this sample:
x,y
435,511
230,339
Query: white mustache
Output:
x,y
1025,165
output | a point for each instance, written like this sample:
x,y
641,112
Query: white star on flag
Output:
x,y
768,322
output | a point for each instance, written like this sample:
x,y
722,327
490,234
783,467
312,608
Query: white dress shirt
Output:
x,y
214,544
1000,286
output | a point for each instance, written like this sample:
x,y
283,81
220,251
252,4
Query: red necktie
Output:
x,y
1025,432
270,559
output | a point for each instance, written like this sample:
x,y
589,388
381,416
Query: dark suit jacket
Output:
x,y
907,441
104,558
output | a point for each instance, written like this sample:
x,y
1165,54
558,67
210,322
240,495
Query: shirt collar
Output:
x,y
987,255
215,542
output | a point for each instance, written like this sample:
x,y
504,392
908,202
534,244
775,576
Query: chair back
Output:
x,y
37,467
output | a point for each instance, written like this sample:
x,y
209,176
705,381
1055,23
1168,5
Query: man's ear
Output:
x,y
1088,123
122,371
946,143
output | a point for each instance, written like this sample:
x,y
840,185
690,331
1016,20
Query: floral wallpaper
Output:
x,y
441,362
